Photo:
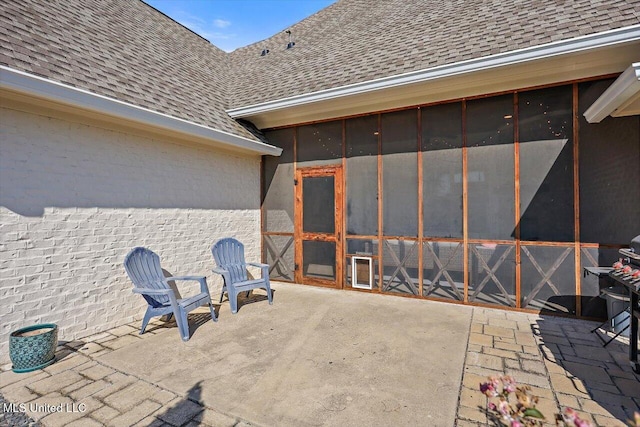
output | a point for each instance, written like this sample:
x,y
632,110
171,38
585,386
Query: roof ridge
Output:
x,y
177,22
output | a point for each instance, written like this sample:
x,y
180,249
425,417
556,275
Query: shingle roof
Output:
x,y
121,49
354,41
127,50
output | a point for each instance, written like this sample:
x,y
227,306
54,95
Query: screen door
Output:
x,y
319,226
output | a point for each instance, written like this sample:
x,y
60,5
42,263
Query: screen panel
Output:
x,y
319,259
278,198
399,133
491,169
318,193
442,170
362,175
279,254
443,270
545,124
609,172
548,279
492,274
319,144
400,266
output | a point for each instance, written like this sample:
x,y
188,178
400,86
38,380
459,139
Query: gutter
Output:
x,y
623,89
520,56
38,87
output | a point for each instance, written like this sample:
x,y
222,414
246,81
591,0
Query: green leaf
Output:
x,y
533,412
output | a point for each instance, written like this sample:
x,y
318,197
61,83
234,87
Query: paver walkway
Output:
x,y
564,363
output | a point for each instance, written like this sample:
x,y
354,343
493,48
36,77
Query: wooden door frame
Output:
x,y
299,235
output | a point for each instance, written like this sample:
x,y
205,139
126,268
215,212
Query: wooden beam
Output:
x,y
420,206
380,199
343,239
465,203
576,201
516,188
298,226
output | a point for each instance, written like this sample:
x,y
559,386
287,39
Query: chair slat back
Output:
x,y
229,254
143,268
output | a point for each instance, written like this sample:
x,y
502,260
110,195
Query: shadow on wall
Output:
x,y
582,369
48,162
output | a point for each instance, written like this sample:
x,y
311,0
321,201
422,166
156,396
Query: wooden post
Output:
x,y
420,206
516,153
380,199
576,202
465,204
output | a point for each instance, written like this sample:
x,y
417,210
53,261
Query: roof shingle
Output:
x,y
355,41
124,50
131,52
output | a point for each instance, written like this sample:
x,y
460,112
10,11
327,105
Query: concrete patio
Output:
x,y
325,357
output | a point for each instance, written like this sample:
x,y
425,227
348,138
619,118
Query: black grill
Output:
x,y
627,272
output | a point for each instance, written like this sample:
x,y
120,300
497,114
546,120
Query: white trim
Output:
x,y
624,88
25,83
354,273
563,47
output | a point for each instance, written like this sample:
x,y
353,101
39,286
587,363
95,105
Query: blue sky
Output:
x,y
230,24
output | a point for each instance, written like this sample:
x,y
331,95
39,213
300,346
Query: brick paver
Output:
x,y
559,358
565,364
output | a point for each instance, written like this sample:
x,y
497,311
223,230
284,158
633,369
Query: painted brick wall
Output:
x,y
75,198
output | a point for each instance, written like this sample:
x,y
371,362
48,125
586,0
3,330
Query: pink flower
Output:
x,y
569,415
503,407
509,384
489,389
581,423
516,423
492,406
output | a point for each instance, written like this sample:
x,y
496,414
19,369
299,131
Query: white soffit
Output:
x,y
44,89
622,98
581,57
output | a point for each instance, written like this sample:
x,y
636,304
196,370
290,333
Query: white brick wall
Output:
x,y
75,198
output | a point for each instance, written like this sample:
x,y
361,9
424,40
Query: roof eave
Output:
x,y
617,96
520,56
41,88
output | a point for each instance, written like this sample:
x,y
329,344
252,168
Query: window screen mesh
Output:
x,y
319,259
490,164
609,173
442,170
362,175
400,266
279,251
277,202
492,274
443,270
319,144
546,164
318,206
548,279
400,173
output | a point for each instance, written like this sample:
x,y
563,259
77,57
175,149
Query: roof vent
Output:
x,y
264,52
291,43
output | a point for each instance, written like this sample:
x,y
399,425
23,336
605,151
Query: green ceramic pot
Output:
x,y
33,347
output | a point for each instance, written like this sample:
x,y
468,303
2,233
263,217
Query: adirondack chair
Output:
x,y
143,267
229,256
